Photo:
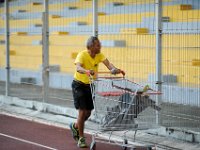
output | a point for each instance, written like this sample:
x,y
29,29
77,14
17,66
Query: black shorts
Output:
x,y
82,95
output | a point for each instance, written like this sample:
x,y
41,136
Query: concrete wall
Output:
x,y
57,80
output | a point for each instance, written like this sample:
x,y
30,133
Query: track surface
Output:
x,y
19,134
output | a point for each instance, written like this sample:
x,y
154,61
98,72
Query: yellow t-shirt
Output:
x,y
88,63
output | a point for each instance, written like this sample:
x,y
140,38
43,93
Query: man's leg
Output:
x,y
81,121
82,117
80,124
76,91
87,115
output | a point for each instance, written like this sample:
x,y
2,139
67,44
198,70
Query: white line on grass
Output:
x,y
25,141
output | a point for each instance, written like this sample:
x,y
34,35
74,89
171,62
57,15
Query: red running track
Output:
x,y
19,134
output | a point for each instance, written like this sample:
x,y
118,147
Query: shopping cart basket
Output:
x,y
118,103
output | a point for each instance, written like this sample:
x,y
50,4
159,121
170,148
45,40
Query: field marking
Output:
x,y
26,141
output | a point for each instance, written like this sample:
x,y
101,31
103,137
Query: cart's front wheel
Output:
x,y
93,145
124,144
149,148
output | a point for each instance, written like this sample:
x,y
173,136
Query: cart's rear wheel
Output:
x,y
124,143
93,145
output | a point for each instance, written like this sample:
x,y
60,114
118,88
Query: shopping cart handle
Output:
x,y
103,72
108,72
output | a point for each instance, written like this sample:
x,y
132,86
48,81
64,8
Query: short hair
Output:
x,y
90,41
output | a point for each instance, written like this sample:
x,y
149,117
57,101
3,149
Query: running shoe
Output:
x,y
82,143
75,132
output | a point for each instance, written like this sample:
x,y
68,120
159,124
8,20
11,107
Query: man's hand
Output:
x,y
117,71
89,72
123,73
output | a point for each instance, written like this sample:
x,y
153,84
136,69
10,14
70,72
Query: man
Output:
x,y
86,62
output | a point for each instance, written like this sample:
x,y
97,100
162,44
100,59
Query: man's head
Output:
x,y
93,45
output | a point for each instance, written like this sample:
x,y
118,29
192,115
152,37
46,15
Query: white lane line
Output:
x,y
25,141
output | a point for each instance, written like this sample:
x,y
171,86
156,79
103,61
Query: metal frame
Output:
x,y
45,51
7,47
158,4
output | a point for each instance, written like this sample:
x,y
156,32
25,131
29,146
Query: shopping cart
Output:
x,y
118,103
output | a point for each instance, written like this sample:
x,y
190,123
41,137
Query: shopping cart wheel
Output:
x,y
93,145
124,143
149,148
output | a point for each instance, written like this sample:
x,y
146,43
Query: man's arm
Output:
x,y
80,69
108,64
112,68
